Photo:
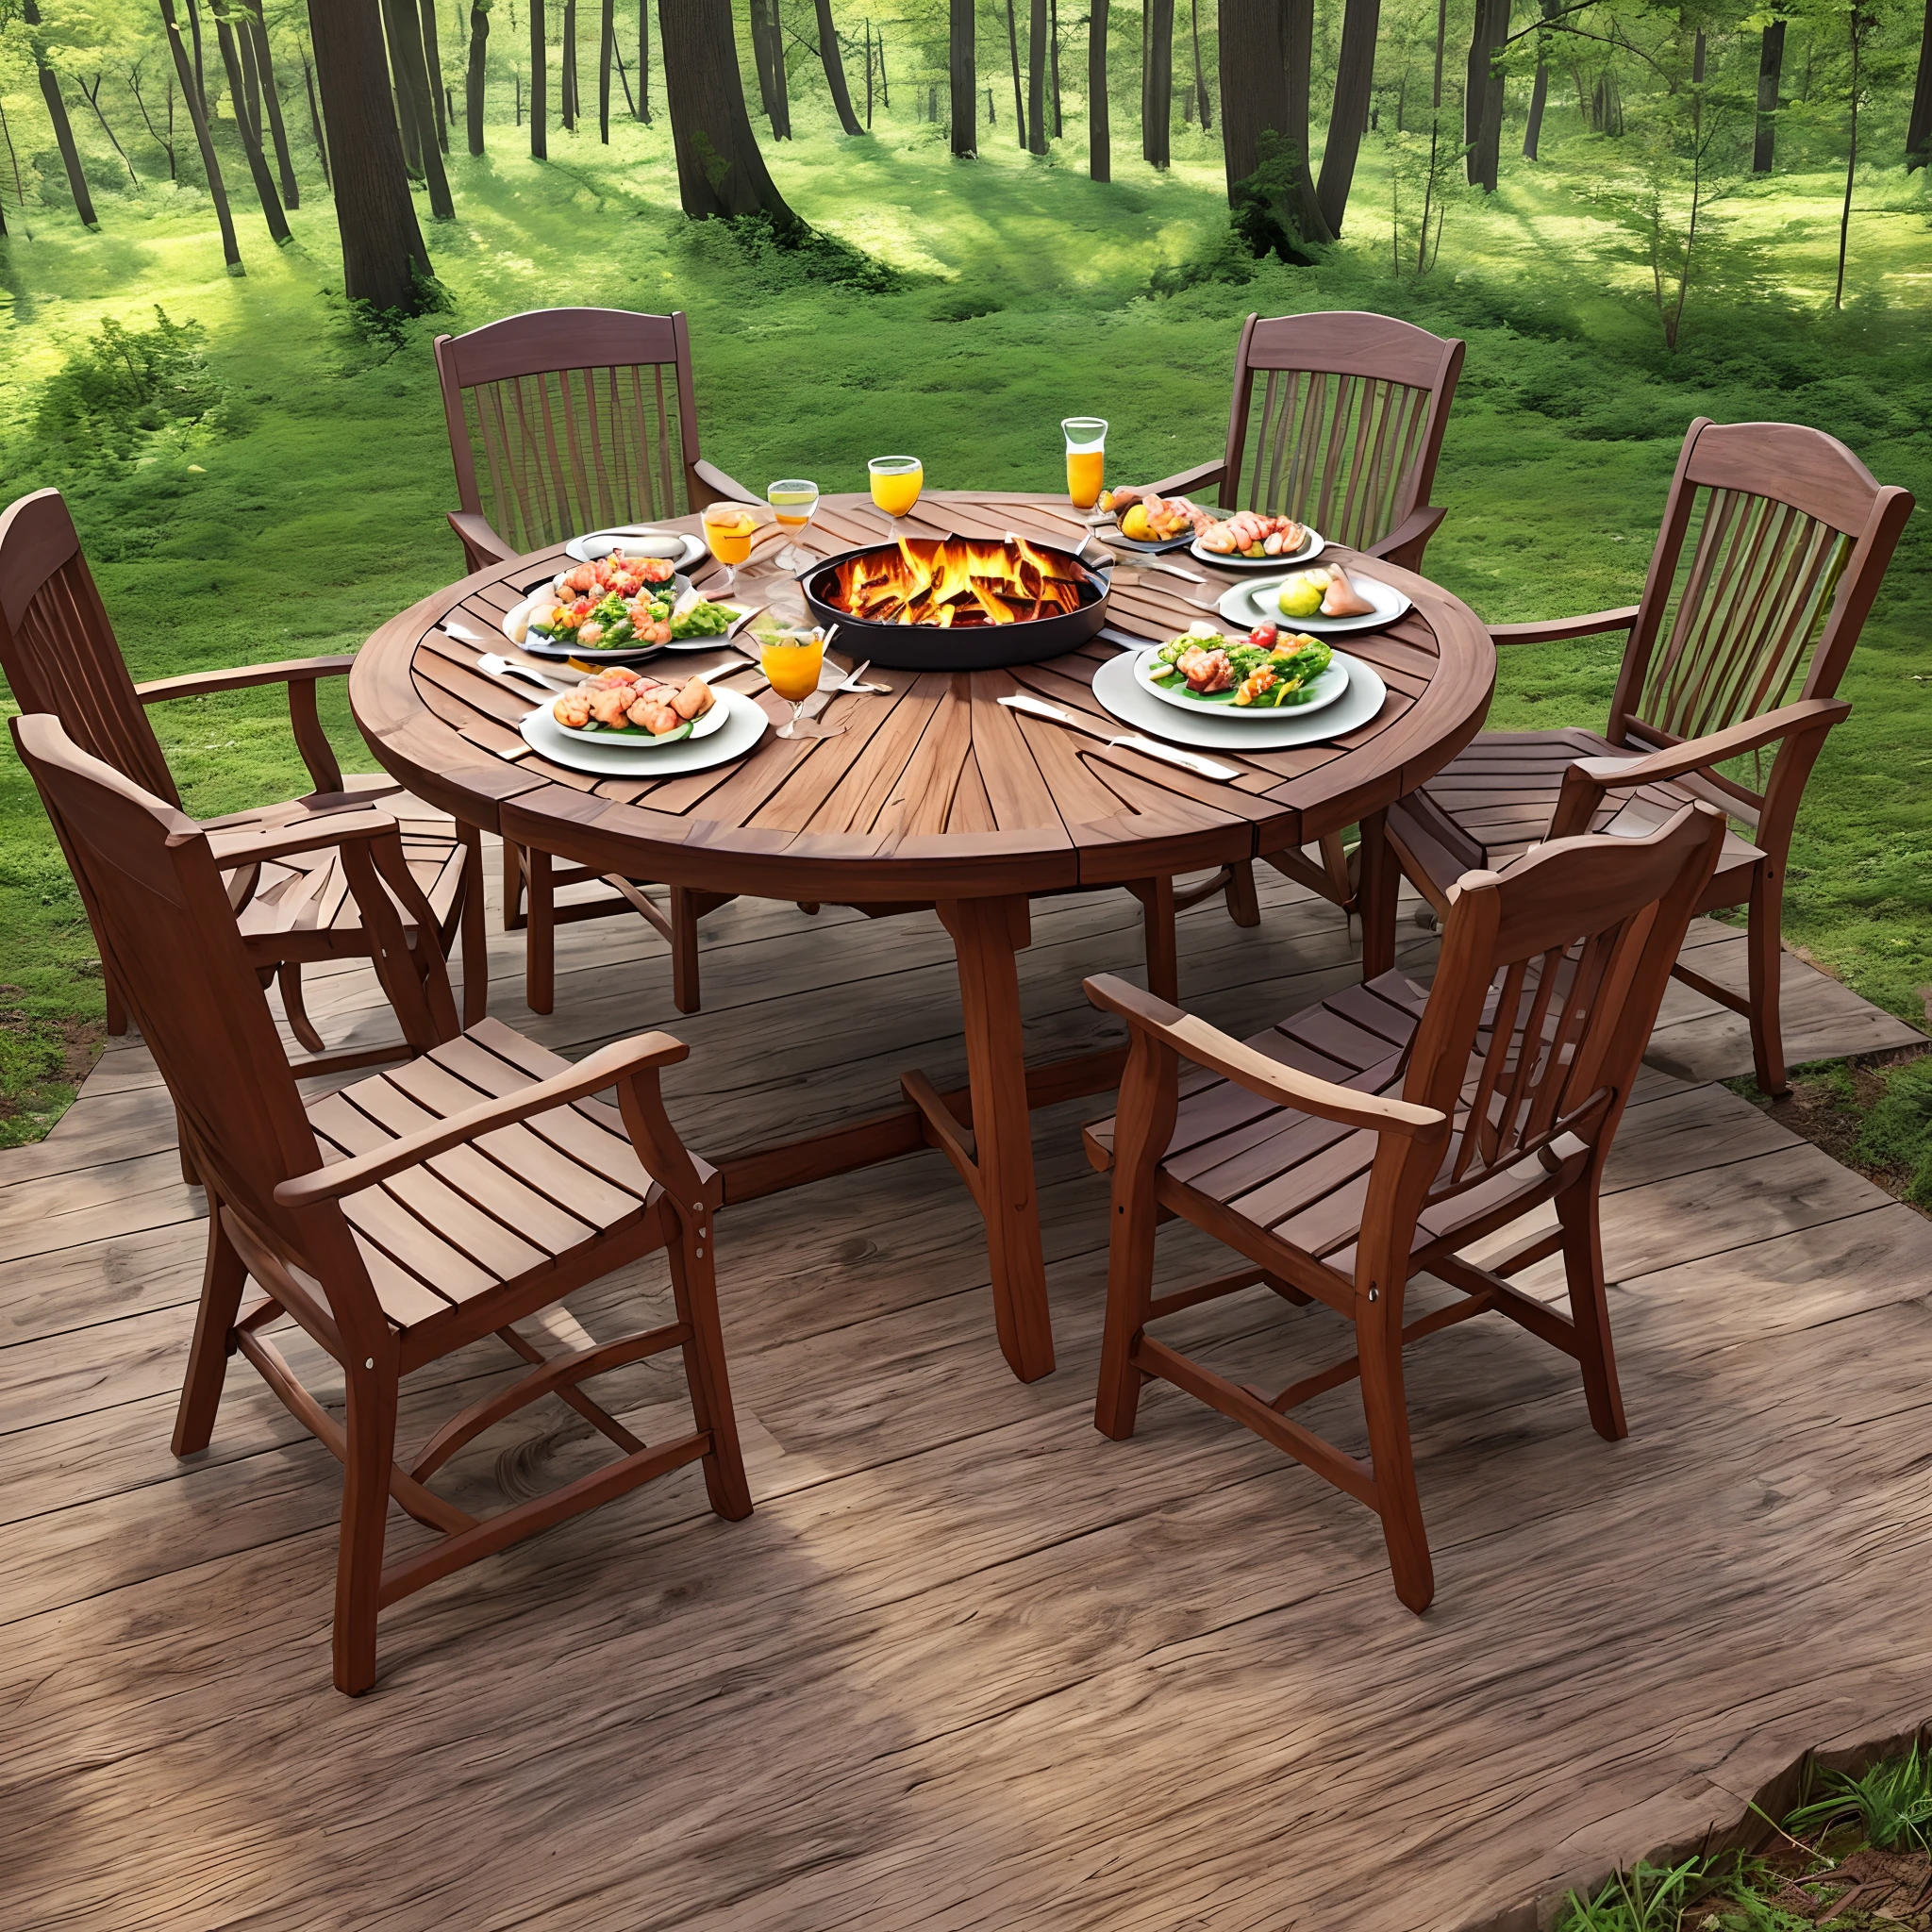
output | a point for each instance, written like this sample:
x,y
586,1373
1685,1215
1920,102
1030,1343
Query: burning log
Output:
x,y
957,583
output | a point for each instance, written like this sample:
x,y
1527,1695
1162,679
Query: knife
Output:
x,y
1206,768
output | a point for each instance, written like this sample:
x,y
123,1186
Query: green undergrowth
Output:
x,y
1874,1115
257,474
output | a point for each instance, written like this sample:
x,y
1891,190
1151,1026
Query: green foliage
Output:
x,y
1897,1134
1263,203
122,388
794,253
1648,1898
1891,1802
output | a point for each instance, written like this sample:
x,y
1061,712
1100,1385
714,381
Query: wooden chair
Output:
x,y
1337,421
407,1215
59,655
1378,1135
1774,541
562,421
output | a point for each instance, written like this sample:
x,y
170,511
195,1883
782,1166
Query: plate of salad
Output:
x,y
1261,675
612,608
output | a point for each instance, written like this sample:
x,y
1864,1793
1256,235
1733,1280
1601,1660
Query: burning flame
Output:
x,y
957,582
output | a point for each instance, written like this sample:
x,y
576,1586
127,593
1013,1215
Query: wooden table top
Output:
x,y
936,790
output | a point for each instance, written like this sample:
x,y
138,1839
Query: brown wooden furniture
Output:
x,y
1380,1134
1776,539
564,421
59,655
406,1216
1337,421
937,795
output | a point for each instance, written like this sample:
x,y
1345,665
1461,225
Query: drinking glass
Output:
x,y
728,530
1085,459
896,482
794,503
791,660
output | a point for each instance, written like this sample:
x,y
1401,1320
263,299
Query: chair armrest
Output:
x,y
721,488
482,546
624,1058
1587,779
1185,480
1206,1046
299,675
1554,629
1403,545
260,846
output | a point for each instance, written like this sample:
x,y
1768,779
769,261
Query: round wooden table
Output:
x,y
936,795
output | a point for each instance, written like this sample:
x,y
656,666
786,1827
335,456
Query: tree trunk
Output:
x,y
719,170
1771,65
567,63
607,45
1158,98
1257,39
645,66
412,88
868,76
1036,79
1482,101
57,113
834,64
1053,42
1856,23
384,260
1203,108
962,75
432,68
251,144
250,84
200,73
1918,128
1355,80
191,95
1013,48
540,105
92,97
315,120
878,42
165,142
1099,136
762,49
272,98
1300,43
1539,94
475,73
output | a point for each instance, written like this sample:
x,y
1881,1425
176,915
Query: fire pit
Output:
x,y
958,602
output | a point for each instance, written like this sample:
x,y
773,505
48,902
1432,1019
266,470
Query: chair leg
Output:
x,y
1156,921
117,1006
300,1024
1244,907
694,1287
1129,1290
1378,1346
684,950
1763,939
370,1448
1590,1310
1377,896
539,942
473,939
512,886
222,1278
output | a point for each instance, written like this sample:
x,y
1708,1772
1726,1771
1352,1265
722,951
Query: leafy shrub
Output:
x,y
793,251
1891,1802
1649,1898
122,387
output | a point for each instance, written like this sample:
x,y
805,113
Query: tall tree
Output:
x,y
251,142
1156,95
567,104
412,94
868,72
645,64
1540,90
200,72
1036,79
257,32
384,262
1771,67
57,113
1300,39
432,66
834,64
1858,24
607,46
719,170
1348,118
1099,135
539,107
1919,127
476,72
1054,69
768,55
962,74
1013,50
1204,107
1482,100
198,119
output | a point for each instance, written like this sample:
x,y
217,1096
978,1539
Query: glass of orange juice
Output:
x,y
896,482
794,503
1085,459
791,660
728,529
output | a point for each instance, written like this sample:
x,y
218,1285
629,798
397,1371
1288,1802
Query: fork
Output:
x,y
492,665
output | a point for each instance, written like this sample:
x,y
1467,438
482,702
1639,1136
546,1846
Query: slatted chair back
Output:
x,y
1337,421
1774,540
1549,979
566,419
57,648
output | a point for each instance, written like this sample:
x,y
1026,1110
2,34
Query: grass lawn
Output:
x,y
314,510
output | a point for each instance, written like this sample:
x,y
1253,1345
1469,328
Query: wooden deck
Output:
x,y
969,1664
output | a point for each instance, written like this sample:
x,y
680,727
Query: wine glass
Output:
x,y
1085,459
728,529
794,503
896,482
791,660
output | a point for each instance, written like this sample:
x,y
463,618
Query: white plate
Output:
x,y
1325,691
712,720
1312,546
744,725
1253,604
596,543
632,653
1122,695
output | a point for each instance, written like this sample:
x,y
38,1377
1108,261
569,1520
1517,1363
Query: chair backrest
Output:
x,y
57,648
1550,980
1337,421
1776,539
171,945
567,420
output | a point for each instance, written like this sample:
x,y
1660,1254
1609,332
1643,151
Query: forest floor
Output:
x,y
307,506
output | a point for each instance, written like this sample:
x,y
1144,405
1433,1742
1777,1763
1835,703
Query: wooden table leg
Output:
x,y
987,932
